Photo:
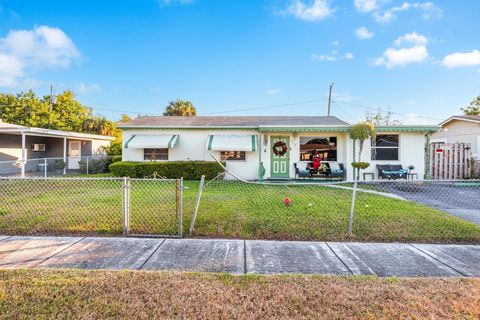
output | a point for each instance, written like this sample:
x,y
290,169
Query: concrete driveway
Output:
x,y
461,199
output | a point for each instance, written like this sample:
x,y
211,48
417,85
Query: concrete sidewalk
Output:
x,y
241,256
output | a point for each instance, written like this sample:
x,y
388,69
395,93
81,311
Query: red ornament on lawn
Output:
x,y
287,201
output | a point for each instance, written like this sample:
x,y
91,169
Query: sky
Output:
x,y
418,59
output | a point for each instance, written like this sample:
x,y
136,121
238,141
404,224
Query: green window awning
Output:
x,y
151,141
232,142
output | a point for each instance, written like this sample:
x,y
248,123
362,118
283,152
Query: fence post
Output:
x,y
352,208
197,204
179,198
126,205
45,168
87,165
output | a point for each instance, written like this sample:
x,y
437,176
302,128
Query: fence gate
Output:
x,y
153,207
450,161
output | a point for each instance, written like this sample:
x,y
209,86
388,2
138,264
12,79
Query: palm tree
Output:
x,y
181,108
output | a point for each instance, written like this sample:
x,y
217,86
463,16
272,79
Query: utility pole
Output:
x,y
330,98
50,104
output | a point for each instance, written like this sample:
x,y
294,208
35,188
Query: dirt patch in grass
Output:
x,y
26,294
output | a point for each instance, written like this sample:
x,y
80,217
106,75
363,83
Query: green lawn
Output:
x,y
227,210
81,294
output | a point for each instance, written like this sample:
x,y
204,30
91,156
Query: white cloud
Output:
x,y
462,59
416,52
23,51
411,38
88,88
272,92
314,10
325,57
335,43
334,55
393,57
428,9
363,33
415,119
172,2
367,5
11,68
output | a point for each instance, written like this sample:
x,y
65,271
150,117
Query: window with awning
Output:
x,y
232,142
165,141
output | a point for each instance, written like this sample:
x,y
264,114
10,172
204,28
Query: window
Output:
x,y
326,147
385,147
155,154
38,147
232,155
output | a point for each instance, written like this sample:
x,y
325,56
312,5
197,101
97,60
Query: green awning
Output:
x,y
232,142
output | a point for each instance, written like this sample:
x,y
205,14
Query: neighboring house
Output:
x,y
19,143
245,143
461,129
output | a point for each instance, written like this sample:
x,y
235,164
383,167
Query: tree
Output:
x,y
381,118
473,109
361,131
27,109
181,108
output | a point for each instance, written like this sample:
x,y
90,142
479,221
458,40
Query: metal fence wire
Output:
x,y
386,211
89,206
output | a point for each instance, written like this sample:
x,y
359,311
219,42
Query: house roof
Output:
x,y
233,121
9,128
461,118
261,123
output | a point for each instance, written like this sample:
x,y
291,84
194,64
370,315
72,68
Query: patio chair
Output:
x,y
301,170
391,171
337,171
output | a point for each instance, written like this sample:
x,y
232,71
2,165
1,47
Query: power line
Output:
x,y
267,107
380,109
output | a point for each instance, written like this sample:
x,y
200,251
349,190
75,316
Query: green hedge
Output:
x,y
189,170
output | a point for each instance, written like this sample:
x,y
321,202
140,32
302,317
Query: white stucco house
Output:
x,y
246,143
30,146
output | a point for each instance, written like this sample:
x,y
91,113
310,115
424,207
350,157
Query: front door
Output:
x,y
74,154
280,164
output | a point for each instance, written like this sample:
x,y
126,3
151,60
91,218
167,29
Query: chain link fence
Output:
x,y
385,211
90,206
56,167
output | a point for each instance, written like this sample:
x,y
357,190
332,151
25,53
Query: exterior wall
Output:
x,y
96,146
9,147
192,145
295,148
411,152
461,132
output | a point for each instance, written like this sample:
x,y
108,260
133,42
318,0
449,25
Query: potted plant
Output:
x,y
58,165
361,132
411,168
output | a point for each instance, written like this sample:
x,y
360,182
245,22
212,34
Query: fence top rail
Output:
x,y
56,158
62,178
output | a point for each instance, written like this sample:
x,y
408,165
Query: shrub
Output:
x,y
58,165
116,159
189,170
95,165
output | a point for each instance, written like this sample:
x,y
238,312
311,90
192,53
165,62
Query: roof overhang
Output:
x,y
304,129
54,133
422,128
458,119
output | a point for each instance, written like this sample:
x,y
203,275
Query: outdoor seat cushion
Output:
x,y
302,168
395,172
335,167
